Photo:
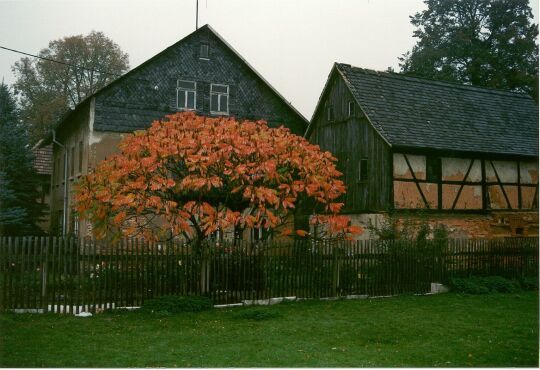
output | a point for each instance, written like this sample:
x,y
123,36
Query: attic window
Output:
x,y
351,109
186,95
204,51
330,113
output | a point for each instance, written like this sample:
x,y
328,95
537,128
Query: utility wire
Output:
x,y
60,62
70,64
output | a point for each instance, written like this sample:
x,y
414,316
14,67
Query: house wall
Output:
x,y
464,183
487,225
351,138
74,136
148,94
502,193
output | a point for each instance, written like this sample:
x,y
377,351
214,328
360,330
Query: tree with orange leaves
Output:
x,y
190,176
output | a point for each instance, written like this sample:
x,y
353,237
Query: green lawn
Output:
x,y
443,330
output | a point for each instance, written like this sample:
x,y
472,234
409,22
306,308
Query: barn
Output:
x,y
466,157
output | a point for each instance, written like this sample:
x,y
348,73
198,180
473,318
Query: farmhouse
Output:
x,y
201,72
465,156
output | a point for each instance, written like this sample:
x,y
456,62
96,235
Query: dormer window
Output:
x,y
204,51
219,99
186,95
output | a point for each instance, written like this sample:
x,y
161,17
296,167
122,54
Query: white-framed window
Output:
x,y
351,109
260,234
219,99
186,95
75,224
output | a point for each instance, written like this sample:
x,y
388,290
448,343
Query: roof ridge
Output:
x,y
449,84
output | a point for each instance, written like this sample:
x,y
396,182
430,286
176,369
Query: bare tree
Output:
x,y
72,68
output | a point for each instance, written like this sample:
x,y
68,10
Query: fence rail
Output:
x,y
70,275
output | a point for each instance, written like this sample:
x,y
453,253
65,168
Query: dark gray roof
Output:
x,y
413,112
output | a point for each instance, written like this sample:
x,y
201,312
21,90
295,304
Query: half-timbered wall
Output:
x,y
454,184
347,134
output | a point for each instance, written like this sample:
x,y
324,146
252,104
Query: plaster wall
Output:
x,y
509,184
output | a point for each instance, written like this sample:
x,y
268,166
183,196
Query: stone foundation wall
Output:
x,y
492,225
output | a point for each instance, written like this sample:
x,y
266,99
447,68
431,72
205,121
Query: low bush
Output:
x,y
467,286
256,314
498,284
171,304
484,285
529,283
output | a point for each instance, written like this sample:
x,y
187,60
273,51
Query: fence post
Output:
x,y
335,269
205,270
44,274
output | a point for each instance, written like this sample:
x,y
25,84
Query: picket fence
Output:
x,y
49,274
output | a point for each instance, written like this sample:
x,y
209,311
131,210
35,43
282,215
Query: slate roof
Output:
x,y
136,87
419,113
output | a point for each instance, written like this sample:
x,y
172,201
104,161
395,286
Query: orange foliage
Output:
x,y
199,174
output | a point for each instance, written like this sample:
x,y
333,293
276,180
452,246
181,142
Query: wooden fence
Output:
x,y
69,275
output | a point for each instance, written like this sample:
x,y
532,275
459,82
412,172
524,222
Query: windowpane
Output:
x,y
80,156
190,99
363,170
223,102
63,168
330,113
351,109
72,161
214,101
181,98
203,53
188,85
220,89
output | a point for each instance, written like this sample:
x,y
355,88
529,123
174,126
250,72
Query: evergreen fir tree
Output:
x,y
19,209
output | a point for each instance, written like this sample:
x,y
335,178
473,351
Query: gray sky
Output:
x,y
293,44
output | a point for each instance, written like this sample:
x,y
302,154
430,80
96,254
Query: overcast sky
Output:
x,y
293,43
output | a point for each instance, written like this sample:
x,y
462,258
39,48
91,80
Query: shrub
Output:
x,y
256,314
468,286
484,285
498,284
175,304
529,283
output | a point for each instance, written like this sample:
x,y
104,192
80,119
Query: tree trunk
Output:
x,y
204,268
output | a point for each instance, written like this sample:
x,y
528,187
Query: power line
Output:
x,y
74,65
60,62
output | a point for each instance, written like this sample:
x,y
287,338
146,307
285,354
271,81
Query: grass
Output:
x,y
444,330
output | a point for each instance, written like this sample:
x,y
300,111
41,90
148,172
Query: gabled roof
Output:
x,y
140,66
420,113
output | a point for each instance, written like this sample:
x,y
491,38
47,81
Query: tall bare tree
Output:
x,y
73,68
